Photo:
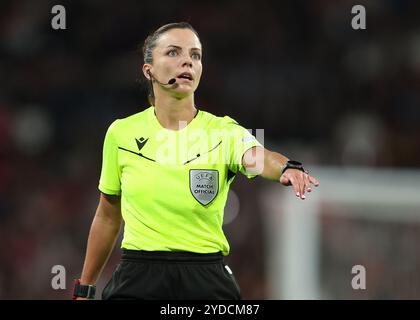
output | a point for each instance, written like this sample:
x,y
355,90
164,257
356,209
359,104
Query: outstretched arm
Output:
x,y
269,165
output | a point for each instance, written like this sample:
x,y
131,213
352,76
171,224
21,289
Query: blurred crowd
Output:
x,y
323,92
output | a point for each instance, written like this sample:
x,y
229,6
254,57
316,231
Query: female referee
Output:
x,y
166,173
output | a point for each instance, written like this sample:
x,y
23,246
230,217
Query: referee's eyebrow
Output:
x,y
178,47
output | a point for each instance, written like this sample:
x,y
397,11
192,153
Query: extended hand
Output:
x,y
299,180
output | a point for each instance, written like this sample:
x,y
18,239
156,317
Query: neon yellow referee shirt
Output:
x,y
173,183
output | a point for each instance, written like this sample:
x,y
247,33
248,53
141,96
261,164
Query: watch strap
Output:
x,y
83,291
292,164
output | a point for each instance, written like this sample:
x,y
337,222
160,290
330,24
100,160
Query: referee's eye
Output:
x,y
196,56
172,53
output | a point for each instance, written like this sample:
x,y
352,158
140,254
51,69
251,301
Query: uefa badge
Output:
x,y
204,185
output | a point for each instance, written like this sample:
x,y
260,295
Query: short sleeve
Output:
x,y
110,179
240,140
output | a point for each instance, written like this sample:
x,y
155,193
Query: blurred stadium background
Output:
x,y
345,102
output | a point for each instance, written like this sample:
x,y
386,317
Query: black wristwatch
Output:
x,y
291,164
83,291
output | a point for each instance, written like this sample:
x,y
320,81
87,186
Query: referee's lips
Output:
x,y
186,75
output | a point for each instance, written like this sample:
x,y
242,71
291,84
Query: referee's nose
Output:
x,y
187,61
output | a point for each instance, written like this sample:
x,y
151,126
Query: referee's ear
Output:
x,y
147,72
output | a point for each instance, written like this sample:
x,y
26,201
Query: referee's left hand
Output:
x,y
300,181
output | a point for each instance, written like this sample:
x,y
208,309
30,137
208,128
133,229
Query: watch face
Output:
x,y
292,164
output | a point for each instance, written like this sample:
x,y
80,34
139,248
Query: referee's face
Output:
x,y
178,55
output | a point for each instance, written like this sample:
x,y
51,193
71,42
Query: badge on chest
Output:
x,y
204,185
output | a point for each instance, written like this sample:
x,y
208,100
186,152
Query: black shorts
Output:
x,y
149,275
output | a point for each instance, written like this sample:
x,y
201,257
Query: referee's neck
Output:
x,y
175,114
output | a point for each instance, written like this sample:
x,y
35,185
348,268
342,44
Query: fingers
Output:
x,y
302,186
298,186
307,182
301,182
295,186
313,181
